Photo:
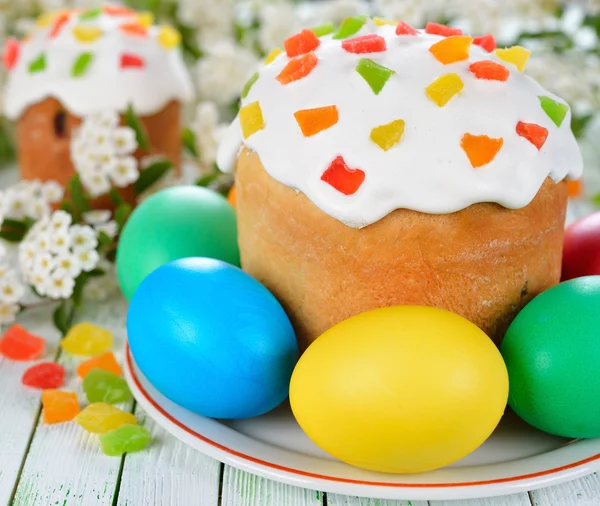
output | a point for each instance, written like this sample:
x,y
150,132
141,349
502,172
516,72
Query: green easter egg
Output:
x,y
552,353
179,222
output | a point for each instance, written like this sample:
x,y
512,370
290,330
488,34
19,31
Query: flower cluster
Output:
x,y
29,199
102,151
12,289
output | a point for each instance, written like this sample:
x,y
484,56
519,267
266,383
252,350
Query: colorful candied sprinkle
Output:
x,y
383,22
556,111
301,43
387,136
134,29
324,29
298,68
45,20
82,64
248,86
374,74
59,24
100,418
169,37
125,439
106,361
516,55
87,339
443,30
146,19
272,55
343,178
44,376
251,119
132,61
452,49
365,44
575,188
12,50
404,29
486,42
444,88
118,11
313,121
90,14
59,406
480,149
103,386
19,344
349,27
534,133
38,64
487,69
87,34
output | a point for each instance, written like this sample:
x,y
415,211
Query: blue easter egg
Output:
x,y
212,339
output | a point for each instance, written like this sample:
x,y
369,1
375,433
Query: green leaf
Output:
x,y
104,240
115,196
208,179
96,273
188,138
579,124
151,175
67,207
82,64
133,121
80,283
11,236
80,198
63,316
596,200
14,224
122,213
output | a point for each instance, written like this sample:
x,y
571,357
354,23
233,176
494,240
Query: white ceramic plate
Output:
x,y
516,458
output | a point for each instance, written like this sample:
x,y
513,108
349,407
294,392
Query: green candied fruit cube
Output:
x,y
376,75
104,386
90,14
125,439
349,27
556,111
38,65
324,29
82,64
248,86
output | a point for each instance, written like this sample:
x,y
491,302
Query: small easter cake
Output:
x,y
380,165
77,63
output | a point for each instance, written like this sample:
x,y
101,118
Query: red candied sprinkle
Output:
x,y
365,44
134,29
534,133
132,61
301,43
490,70
12,50
44,376
486,42
59,24
343,178
19,344
404,29
298,68
117,10
443,30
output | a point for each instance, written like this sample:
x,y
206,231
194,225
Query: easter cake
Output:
x,y
380,165
76,63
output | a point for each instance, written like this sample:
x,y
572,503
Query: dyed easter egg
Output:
x,y
552,352
212,339
402,389
581,254
179,222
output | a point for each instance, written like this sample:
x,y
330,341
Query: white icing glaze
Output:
x,y
427,170
105,86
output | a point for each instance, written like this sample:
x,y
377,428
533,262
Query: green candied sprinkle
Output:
x,y
376,75
104,386
38,65
349,27
555,110
324,29
125,439
248,86
90,14
82,64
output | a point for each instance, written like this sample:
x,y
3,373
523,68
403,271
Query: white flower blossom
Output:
x,y
278,20
59,285
213,19
60,221
97,217
60,241
11,289
68,264
105,119
125,172
88,259
52,191
208,132
110,228
83,238
96,182
125,141
8,313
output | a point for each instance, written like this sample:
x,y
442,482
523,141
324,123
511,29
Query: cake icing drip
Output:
x,y
101,59
387,117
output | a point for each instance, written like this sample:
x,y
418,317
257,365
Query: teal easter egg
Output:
x,y
179,222
552,353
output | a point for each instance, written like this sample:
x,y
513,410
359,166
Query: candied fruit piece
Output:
x,y
125,439
443,30
324,29
132,61
44,376
298,68
87,34
106,362
117,11
349,27
444,88
486,42
101,418
45,20
404,29
59,406
301,43
313,121
556,111
452,49
387,136
90,14
59,23
134,29
383,22
104,386
10,56
365,44
38,64
251,119
145,19
534,133
516,55
272,55
490,70
248,86
87,339
575,188
343,178
480,149
19,344
82,64
376,75
169,37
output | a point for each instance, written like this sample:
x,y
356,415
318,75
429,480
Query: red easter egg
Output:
x,y
581,255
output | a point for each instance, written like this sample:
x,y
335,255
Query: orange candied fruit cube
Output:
x,y
452,49
443,30
534,133
313,121
134,29
105,361
481,149
117,10
489,70
298,68
59,406
59,24
301,43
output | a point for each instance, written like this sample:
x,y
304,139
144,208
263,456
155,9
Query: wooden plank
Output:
x,y
582,492
243,489
168,472
507,500
344,500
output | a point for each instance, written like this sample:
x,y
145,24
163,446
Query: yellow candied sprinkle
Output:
x,y
251,119
272,55
146,19
169,37
87,33
444,88
516,55
387,136
383,22
46,19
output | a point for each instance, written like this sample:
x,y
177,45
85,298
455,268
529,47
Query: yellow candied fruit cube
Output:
x,y
146,19
383,22
516,55
444,88
169,37
100,418
452,49
272,55
87,339
387,136
86,33
251,119
45,20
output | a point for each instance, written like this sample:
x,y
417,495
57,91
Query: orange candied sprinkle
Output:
x,y
481,149
59,406
575,188
313,121
117,10
298,68
443,30
452,49
534,133
134,29
59,24
106,362
301,43
232,196
486,42
490,70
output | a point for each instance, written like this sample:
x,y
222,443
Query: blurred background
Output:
x,y
225,39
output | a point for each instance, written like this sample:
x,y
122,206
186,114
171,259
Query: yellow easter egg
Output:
x,y
402,389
